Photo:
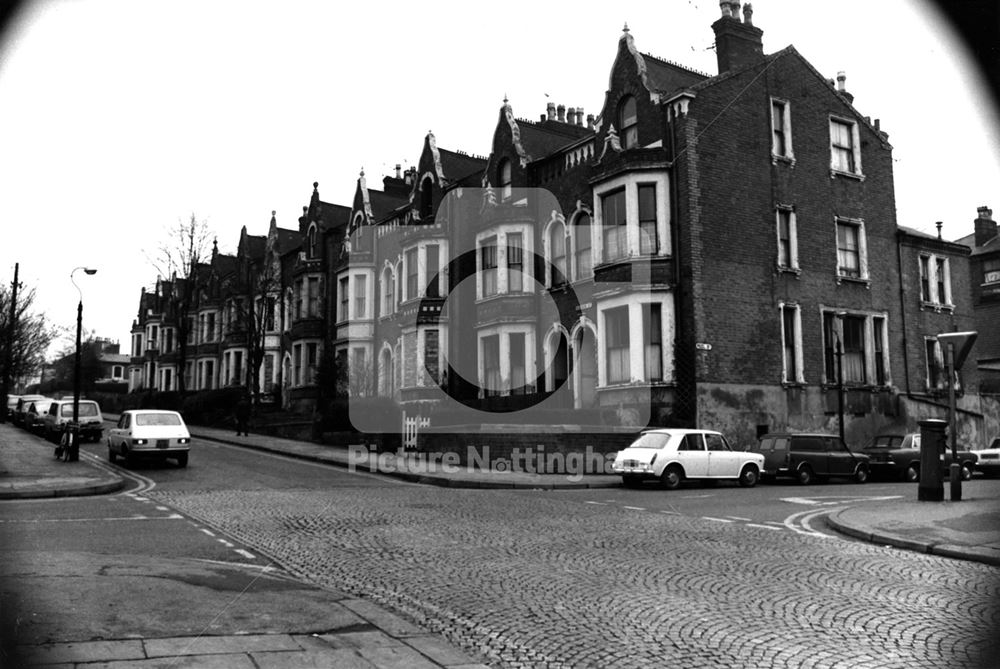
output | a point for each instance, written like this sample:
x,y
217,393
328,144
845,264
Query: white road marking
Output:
x,y
162,508
670,513
799,522
246,554
635,508
225,543
745,520
91,520
837,499
718,520
597,503
766,527
208,532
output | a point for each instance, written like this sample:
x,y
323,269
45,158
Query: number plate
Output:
x,y
162,443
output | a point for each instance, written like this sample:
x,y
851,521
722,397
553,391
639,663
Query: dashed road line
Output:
x,y
246,554
718,520
635,508
766,527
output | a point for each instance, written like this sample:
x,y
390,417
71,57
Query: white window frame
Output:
x,y
935,298
796,344
499,237
869,336
503,333
786,129
631,183
862,248
637,343
793,237
855,148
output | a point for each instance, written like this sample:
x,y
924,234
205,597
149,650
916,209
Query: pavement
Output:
x,y
966,530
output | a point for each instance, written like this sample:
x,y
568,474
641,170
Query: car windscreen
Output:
x,y
87,410
651,440
157,419
887,441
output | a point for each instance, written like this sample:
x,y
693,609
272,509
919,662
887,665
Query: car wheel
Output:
x,y
805,475
182,460
630,481
671,477
861,474
749,476
966,471
912,474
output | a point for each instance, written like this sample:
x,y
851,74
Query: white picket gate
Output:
x,y
411,425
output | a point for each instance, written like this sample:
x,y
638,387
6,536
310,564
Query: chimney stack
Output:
x,y
561,113
842,87
985,226
579,116
542,119
737,43
550,109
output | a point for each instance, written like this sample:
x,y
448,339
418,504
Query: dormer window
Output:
x,y
504,179
628,124
312,241
426,202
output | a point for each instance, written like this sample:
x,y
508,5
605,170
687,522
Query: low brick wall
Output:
x,y
521,448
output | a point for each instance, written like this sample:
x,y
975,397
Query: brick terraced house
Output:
x,y
708,250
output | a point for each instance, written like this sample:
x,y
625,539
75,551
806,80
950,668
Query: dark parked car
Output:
x,y
988,459
897,456
807,457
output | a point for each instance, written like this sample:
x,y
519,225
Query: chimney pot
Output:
x,y
984,226
550,110
542,119
748,14
579,115
985,212
590,121
561,113
939,225
841,82
399,170
570,114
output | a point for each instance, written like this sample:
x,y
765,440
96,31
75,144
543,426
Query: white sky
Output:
x,y
119,118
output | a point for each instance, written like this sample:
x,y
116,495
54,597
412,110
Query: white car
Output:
x,y
149,433
672,455
988,459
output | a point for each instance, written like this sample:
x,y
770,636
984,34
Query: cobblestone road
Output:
x,y
544,581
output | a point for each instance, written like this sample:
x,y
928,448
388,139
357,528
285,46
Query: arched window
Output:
x,y
388,292
426,201
504,179
581,247
557,250
312,241
627,123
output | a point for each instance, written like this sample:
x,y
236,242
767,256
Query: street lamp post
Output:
x,y
74,438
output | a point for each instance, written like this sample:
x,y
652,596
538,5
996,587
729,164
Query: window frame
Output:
x,y
787,212
877,369
628,126
794,311
853,149
862,248
577,226
784,127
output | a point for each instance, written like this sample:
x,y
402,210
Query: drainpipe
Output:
x,y
671,129
902,309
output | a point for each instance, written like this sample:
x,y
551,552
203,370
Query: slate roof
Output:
x,y
665,76
384,203
457,166
331,215
540,139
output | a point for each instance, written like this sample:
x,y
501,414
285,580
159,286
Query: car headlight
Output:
x,y
138,442
183,440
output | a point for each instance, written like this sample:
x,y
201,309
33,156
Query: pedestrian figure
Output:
x,y
243,416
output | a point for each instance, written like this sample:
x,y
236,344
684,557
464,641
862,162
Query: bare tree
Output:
x,y
263,286
25,341
179,256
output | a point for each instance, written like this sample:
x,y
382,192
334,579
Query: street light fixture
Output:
x,y
73,443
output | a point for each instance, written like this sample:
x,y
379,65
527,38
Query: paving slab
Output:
x,y
343,658
437,649
204,645
229,661
389,622
84,651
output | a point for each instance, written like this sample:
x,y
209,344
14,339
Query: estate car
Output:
x,y
672,455
807,457
988,459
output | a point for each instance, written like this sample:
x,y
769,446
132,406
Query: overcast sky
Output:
x,y
119,118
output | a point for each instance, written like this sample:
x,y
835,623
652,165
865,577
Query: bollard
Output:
x,y
932,441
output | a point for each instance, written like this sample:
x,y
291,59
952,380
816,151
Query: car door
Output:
x,y
692,455
119,431
722,461
839,459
